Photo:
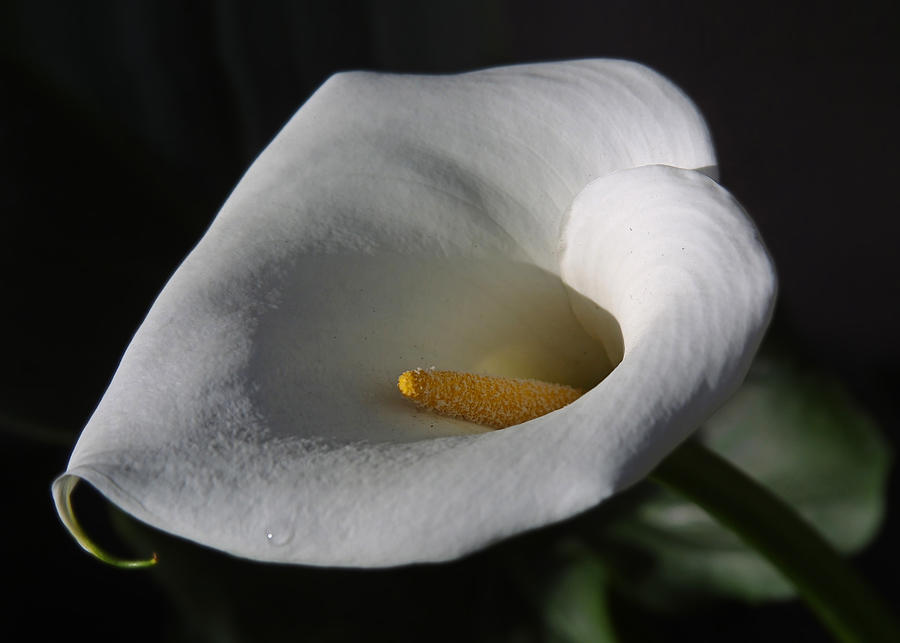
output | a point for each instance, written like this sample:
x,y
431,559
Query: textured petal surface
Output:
x,y
405,221
674,259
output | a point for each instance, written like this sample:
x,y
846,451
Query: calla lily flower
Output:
x,y
551,221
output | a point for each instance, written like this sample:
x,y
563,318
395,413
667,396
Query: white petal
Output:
x,y
403,221
675,260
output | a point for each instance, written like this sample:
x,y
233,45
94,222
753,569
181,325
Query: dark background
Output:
x,y
124,125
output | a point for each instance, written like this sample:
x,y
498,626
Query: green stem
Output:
x,y
843,602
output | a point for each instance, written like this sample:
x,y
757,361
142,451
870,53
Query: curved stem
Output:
x,y
840,598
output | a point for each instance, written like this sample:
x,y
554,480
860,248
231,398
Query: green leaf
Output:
x,y
800,435
576,606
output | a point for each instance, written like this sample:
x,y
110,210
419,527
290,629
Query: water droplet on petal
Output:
x,y
278,535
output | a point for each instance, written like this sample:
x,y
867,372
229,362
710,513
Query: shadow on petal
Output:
x,y
326,356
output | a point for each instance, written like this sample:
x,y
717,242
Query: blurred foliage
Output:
x,y
799,434
577,605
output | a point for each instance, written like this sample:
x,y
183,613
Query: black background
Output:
x,y
124,125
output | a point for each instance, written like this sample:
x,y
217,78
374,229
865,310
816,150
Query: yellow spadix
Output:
x,y
497,402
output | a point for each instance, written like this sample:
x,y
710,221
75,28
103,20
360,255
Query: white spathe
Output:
x,y
526,221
